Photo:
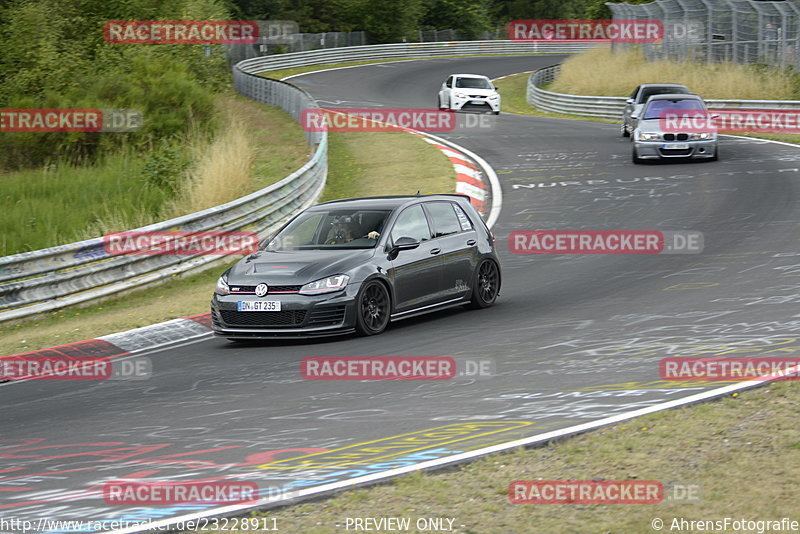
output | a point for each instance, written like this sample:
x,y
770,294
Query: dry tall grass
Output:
x,y
599,72
222,167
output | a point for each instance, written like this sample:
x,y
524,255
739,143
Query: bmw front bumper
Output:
x,y
660,149
300,315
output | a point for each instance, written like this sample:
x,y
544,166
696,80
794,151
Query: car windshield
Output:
x,y
473,83
331,229
647,92
657,109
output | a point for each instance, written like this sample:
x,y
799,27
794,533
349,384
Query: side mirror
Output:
x,y
629,101
494,87
634,116
404,243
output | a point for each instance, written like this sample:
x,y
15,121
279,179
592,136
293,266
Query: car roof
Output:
x,y
663,85
470,76
386,202
676,96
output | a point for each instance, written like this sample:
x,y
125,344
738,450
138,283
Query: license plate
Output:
x,y
676,146
476,102
259,305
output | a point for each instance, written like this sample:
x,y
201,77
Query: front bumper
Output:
x,y
300,315
476,103
658,149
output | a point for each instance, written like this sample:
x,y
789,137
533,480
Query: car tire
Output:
x,y
715,157
373,307
486,285
625,132
496,113
634,158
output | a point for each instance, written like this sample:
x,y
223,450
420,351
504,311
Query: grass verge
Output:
x,y
64,203
259,145
743,451
45,207
359,164
386,163
603,73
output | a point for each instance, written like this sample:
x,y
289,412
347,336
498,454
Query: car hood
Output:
x,y
296,267
649,126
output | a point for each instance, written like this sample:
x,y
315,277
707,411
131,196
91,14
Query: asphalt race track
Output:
x,y
573,338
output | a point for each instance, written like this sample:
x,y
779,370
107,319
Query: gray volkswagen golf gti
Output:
x,y
357,264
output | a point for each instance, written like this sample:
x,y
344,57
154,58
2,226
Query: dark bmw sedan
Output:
x,y
355,265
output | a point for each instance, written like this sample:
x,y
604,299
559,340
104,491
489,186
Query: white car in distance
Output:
x,y
469,91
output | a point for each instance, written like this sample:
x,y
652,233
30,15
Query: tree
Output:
x,y
387,21
469,18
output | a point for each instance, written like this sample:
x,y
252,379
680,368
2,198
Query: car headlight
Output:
x,y
701,135
643,136
325,285
222,286
461,95
494,97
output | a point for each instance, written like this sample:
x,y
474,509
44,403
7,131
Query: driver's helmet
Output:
x,y
342,230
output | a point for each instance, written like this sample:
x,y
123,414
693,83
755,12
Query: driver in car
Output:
x,y
341,231
346,229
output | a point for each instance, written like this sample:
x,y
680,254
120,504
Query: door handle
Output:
x,y
471,242
435,250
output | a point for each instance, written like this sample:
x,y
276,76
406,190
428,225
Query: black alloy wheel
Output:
x,y
372,309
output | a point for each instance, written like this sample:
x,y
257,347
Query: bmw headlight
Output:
x,y
326,285
701,135
222,286
644,136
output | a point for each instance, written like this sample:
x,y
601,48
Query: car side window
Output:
x,y
411,223
463,220
449,82
445,220
633,94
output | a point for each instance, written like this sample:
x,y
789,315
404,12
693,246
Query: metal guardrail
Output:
x,y
43,280
410,50
610,107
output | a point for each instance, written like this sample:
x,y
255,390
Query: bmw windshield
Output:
x,y
331,229
658,109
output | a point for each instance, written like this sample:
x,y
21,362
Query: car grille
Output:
x,y
676,152
477,96
272,289
327,316
673,137
482,106
286,318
